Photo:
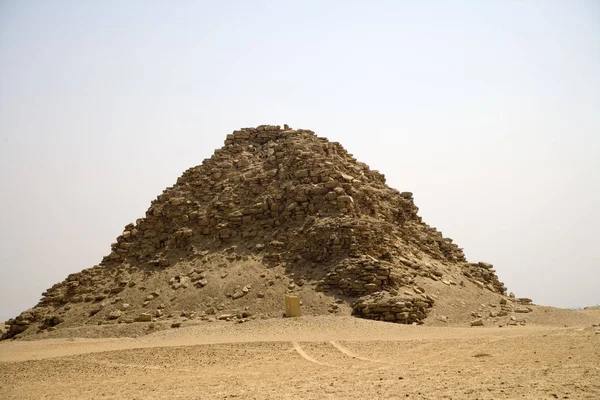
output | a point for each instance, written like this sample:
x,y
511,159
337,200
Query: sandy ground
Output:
x,y
311,358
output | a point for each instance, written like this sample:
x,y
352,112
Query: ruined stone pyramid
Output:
x,y
273,211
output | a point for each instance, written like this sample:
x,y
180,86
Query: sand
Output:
x,y
314,358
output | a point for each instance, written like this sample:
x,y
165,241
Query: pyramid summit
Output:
x,y
275,211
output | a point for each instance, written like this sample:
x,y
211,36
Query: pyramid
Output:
x,y
275,211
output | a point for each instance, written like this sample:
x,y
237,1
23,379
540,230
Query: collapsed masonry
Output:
x,y
278,197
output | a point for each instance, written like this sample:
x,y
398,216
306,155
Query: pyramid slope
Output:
x,y
273,211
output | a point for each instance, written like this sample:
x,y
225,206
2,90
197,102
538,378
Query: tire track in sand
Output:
x,y
349,353
306,356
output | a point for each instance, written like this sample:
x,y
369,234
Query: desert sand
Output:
x,y
312,357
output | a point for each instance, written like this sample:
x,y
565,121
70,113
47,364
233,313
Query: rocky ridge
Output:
x,y
274,211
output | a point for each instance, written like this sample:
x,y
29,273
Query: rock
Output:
x,y
114,314
210,311
180,281
445,282
477,322
523,310
176,325
202,282
524,301
96,309
384,307
144,317
346,177
225,317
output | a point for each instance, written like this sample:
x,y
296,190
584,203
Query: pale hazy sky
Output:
x,y
489,111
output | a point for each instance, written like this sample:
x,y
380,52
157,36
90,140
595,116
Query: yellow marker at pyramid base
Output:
x,y
292,306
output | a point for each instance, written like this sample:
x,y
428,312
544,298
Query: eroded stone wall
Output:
x,y
384,307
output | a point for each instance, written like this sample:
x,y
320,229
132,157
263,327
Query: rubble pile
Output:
x,y
271,197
